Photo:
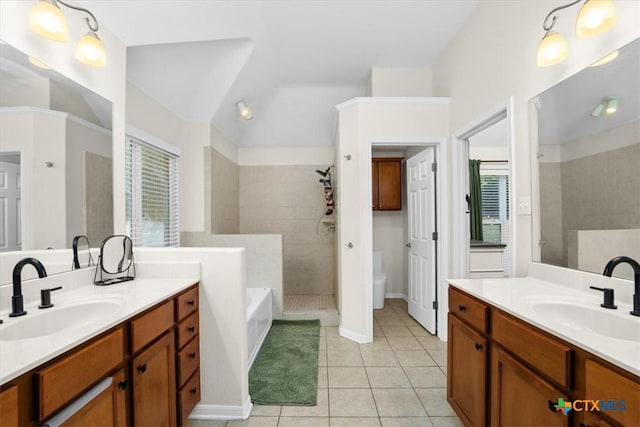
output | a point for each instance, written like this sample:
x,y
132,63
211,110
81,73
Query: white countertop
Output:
x,y
519,296
22,355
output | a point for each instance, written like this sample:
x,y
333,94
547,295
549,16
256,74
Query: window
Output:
x,y
494,182
151,180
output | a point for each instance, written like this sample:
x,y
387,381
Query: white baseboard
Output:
x,y
405,297
396,295
359,338
222,412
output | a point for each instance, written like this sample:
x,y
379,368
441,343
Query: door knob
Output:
x,y
349,245
408,245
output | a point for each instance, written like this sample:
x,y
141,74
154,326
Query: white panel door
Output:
x,y
10,209
422,246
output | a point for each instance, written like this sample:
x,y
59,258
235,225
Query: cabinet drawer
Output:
x,y
472,311
549,356
188,361
188,396
67,378
187,303
151,325
610,387
187,329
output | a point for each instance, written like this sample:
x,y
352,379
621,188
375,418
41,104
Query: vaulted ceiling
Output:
x,y
291,61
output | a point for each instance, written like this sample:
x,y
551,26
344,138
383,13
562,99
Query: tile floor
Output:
x,y
398,380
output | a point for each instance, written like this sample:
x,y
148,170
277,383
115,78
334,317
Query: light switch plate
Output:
x,y
524,205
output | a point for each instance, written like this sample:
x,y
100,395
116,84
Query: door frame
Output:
x,y
442,244
460,160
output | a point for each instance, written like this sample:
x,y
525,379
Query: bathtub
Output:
x,y
259,317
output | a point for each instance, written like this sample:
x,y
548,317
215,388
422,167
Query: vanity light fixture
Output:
x,y
605,59
47,20
608,106
38,63
595,17
245,112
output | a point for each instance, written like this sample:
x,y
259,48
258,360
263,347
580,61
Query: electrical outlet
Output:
x,y
524,205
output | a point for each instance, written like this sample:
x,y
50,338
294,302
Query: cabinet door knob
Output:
x,y
191,302
142,368
192,355
122,385
462,308
193,390
478,347
191,329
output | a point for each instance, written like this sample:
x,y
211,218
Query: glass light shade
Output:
x,y
552,49
38,63
606,59
90,50
46,20
595,17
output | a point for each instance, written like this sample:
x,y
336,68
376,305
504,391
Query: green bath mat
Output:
x,y
285,371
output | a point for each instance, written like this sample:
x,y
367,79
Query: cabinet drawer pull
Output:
x,y
478,347
122,385
191,302
192,355
193,390
142,368
462,308
191,329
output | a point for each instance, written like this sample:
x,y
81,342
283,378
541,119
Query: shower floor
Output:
x,y
303,307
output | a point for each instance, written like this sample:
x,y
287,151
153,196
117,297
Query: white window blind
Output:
x,y
151,180
494,181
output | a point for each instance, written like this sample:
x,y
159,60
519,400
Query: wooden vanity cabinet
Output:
x,y
386,185
522,371
141,355
187,352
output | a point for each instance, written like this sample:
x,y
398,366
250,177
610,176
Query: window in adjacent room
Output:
x,y
151,181
494,181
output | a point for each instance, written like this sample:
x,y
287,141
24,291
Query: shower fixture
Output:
x,y
324,173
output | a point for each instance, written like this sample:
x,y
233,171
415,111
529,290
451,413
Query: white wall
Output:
x,y
363,121
400,82
493,57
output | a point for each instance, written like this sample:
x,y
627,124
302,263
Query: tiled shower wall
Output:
x,y
224,187
289,200
598,192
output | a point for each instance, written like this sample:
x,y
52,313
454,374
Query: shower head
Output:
x,y
324,173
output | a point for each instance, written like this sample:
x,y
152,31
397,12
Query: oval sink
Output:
x,y
40,323
594,319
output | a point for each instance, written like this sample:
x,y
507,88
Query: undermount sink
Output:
x,y
41,323
594,319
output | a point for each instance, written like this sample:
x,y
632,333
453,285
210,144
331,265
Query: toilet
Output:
x,y
379,281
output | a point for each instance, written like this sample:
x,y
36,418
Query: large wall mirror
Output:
x,y
588,159
55,158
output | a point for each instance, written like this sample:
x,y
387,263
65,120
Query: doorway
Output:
x,y
406,237
10,202
483,196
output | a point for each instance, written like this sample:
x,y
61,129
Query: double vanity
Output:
x,y
521,349
126,354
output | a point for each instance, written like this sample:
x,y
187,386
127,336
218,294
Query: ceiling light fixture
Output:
x,y
595,17
608,106
606,59
47,20
38,63
245,112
